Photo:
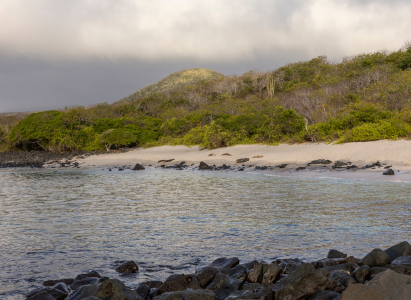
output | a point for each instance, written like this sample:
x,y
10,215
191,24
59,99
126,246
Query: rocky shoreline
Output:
x,y
380,275
37,159
43,159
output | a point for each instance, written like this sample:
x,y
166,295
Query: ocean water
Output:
x,y
57,224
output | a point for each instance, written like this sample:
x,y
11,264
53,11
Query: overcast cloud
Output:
x,y
55,53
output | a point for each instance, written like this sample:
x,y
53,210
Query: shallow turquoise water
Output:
x,y
56,224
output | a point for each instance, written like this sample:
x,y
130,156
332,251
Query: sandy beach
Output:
x,y
395,153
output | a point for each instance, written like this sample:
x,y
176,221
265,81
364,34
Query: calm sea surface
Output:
x,y
56,224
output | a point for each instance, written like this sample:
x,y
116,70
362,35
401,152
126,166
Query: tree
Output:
x,y
117,137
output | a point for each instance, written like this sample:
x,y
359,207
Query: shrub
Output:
x,y
117,137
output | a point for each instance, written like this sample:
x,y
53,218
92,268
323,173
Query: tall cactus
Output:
x,y
271,86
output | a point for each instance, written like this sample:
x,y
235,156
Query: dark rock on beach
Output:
x,y
138,167
242,160
389,172
204,166
320,162
282,166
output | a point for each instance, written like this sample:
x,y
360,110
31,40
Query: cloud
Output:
x,y
212,30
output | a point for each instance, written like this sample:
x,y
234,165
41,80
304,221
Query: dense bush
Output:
x,y
365,97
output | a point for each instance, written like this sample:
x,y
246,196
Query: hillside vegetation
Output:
x,y
365,97
174,81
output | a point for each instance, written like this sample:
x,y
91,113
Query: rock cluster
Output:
x,y
381,274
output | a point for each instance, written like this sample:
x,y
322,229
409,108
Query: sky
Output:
x,y
58,53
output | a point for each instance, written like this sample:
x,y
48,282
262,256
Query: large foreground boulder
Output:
x,y
401,249
181,282
304,282
387,285
207,275
189,294
376,258
114,289
263,273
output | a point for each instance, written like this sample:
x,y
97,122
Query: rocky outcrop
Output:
x,y
127,268
401,249
179,283
223,286
114,289
376,258
386,285
204,166
138,167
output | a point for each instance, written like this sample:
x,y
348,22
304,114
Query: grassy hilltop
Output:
x,y
174,81
365,97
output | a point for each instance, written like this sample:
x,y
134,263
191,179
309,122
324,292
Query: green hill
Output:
x,y
173,82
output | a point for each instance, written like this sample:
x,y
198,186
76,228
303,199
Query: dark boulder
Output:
x,y
320,162
282,166
336,254
189,294
143,291
224,262
204,166
302,283
340,164
114,289
207,275
361,274
389,172
84,292
402,265
138,167
223,286
242,160
347,281
179,283
263,273
376,258
401,249
385,285
238,272
127,268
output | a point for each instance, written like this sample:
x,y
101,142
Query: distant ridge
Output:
x,y
174,81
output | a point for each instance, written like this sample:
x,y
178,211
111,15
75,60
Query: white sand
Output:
x,y
396,153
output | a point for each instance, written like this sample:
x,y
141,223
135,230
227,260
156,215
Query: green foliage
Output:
x,y
392,129
117,137
365,97
405,63
44,129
